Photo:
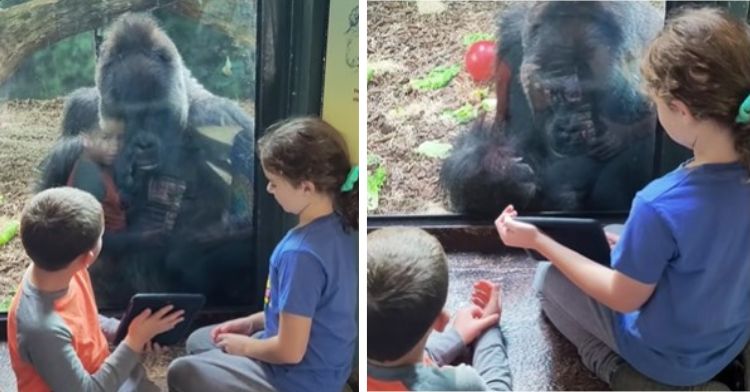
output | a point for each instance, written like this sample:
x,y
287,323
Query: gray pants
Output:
x,y
138,381
589,326
583,321
489,358
207,368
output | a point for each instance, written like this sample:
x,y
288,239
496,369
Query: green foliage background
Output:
x,y
222,66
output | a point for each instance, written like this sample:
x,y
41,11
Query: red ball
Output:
x,y
480,60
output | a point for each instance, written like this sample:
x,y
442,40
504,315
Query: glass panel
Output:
x,y
554,122
158,126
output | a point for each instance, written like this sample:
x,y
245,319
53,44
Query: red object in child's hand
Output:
x,y
480,60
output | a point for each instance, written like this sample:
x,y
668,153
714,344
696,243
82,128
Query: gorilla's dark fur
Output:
x,y
572,130
180,188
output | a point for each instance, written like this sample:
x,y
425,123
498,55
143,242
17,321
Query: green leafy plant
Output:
x,y
480,93
476,37
5,304
370,74
54,70
434,149
228,69
488,104
375,181
8,231
464,114
437,78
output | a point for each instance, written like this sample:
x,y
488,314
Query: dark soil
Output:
x,y
404,44
28,129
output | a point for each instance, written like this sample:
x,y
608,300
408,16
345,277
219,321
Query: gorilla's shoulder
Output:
x,y
206,108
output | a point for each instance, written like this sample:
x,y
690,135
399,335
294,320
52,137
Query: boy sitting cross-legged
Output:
x,y
57,339
407,286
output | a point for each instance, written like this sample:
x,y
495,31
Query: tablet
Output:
x,y
585,236
190,303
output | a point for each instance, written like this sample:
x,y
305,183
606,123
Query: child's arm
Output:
x,y
608,286
52,355
244,325
286,348
301,281
444,347
88,177
50,351
109,327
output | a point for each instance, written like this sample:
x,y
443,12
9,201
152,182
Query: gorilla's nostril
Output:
x,y
573,95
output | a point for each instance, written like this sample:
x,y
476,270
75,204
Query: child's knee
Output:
x,y
200,340
182,375
549,284
540,276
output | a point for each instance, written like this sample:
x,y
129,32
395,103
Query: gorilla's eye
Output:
x,y
535,29
163,56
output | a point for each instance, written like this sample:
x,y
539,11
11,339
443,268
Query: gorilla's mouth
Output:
x,y
572,139
572,131
147,167
145,151
566,111
146,161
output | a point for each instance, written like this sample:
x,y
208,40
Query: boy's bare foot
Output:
x,y
470,322
487,295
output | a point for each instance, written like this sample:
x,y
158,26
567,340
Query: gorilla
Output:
x,y
572,131
182,171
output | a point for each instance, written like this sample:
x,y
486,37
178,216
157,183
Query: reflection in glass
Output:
x,y
566,130
164,139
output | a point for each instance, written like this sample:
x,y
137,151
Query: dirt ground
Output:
x,y
405,43
27,131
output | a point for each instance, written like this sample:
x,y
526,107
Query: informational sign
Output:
x,y
340,88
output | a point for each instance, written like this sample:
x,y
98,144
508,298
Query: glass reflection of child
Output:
x,y
304,340
56,338
407,286
92,172
675,305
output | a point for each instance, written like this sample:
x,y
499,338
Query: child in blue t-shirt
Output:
x,y
304,340
675,305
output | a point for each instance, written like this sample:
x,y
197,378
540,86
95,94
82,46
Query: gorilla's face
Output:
x,y
143,96
563,74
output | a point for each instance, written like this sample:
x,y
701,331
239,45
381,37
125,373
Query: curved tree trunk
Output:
x,y
27,27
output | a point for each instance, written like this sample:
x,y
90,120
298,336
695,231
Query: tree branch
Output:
x,y
27,27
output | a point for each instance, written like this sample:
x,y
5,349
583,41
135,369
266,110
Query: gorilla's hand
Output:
x,y
154,238
611,141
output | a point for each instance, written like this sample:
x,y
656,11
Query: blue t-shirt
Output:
x,y
313,274
689,233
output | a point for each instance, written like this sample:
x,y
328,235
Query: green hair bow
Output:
x,y
743,116
351,178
